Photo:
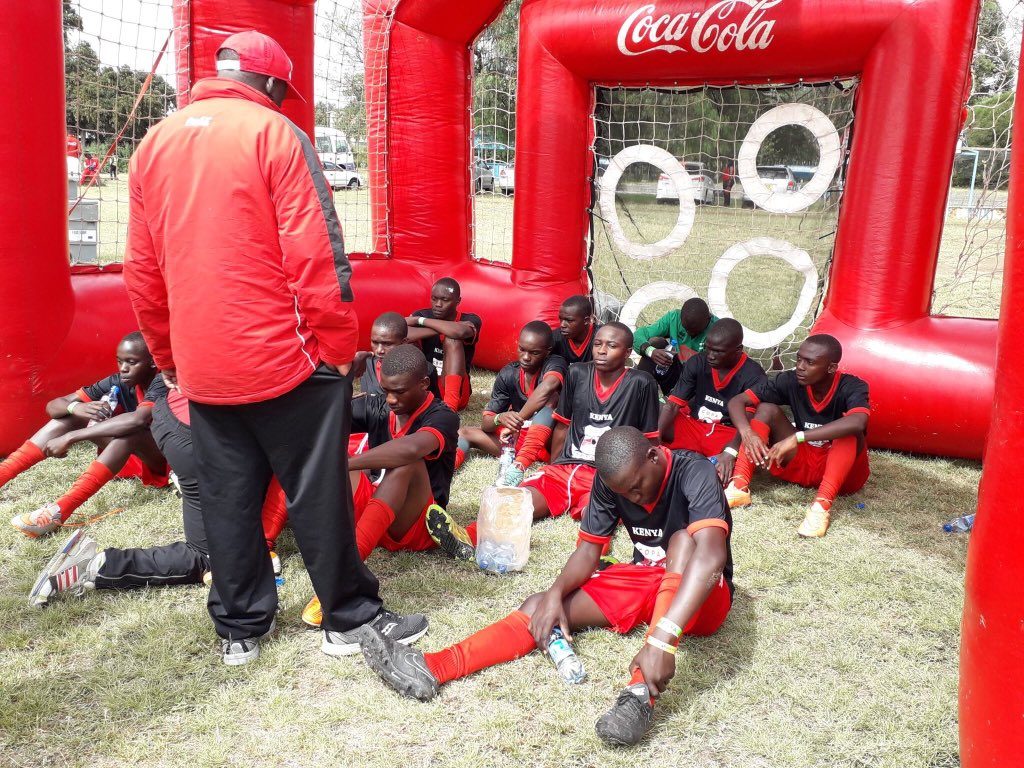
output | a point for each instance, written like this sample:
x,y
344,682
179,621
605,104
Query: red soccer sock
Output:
x,y
275,513
377,517
502,641
453,391
471,532
28,455
90,481
666,594
841,457
536,438
744,468
460,457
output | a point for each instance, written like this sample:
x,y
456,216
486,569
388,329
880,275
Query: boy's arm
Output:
x,y
550,611
644,334
545,393
451,329
850,424
399,452
117,426
558,438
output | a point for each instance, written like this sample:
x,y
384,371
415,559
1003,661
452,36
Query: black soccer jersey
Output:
x,y
707,392
571,352
371,414
370,380
433,346
127,397
848,394
590,410
513,386
156,391
690,499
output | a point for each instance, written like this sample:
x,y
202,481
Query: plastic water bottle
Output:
x,y
110,399
508,455
661,370
275,561
713,460
495,558
566,661
959,524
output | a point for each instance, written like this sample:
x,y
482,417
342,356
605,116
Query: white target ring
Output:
x,y
650,293
779,249
667,164
829,154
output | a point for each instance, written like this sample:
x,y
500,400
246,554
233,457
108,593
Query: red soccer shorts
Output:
x,y
465,390
416,539
700,436
565,487
807,468
357,443
625,594
137,468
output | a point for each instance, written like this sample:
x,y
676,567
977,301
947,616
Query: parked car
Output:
x,y
504,177
341,178
777,178
802,174
700,178
483,179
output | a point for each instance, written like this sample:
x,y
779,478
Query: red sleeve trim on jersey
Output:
x,y
83,396
865,411
750,393
677,401
557,375
561,419
440,442
655,435
712,522
592,539
492,414
146,404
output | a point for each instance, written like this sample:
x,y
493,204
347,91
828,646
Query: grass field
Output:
x,y
837,653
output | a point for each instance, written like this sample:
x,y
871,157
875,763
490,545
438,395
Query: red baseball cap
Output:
x,y
260,54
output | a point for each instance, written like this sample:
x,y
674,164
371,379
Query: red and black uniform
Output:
x,y
371,414
589,410
513,387
703,394
433,349
233,235
570,351
848,394
690,499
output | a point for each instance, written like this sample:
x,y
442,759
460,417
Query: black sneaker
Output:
x,y
238,652
401,668
394,626
449,535
629,719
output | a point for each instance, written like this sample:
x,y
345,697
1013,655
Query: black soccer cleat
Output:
x,y
629,719
449,535
400,667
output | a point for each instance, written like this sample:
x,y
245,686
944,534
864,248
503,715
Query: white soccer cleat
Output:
x,y
71,571
38,522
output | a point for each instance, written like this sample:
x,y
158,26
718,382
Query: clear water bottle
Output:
x,y
275,561
566,661
959,524
673,345
110,399
495,558
508,455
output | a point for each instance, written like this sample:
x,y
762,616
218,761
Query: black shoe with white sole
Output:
x,y
401,668
629,719
395,626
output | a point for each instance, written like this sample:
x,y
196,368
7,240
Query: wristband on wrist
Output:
x,y
665,624
420,321
731,451
666,647
800,437
496,420
649,352
71,407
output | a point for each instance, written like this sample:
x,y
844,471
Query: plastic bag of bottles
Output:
x,y
503,529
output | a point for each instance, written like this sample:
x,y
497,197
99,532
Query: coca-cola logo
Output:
x,y
740,25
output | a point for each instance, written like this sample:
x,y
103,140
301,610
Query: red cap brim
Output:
x,y
294,92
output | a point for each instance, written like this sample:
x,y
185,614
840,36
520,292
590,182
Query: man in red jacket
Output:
x,y
237,273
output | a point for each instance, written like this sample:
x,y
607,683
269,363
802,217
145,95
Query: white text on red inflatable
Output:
x,y
719,28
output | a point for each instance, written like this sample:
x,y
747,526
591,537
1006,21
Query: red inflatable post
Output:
x,y
992,648
59,332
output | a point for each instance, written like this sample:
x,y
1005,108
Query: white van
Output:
x,y
332,147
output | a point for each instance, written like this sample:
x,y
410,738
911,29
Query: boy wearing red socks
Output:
x,y
126,447
574,335
696,415
412,437
597,396
826,448
521,408
680,582
448,339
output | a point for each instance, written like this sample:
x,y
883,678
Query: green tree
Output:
x,y
994,69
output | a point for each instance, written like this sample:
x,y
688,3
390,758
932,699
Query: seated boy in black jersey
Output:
x,y
680,582
597,396
121,434
448,338
685,329
572,339
828,445
412,436
696,414
522,404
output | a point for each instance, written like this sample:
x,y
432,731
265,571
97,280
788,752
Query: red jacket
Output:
x,y
235,264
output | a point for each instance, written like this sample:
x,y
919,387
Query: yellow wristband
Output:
x,y
665,624
666,647
420,321
800,437
71,407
